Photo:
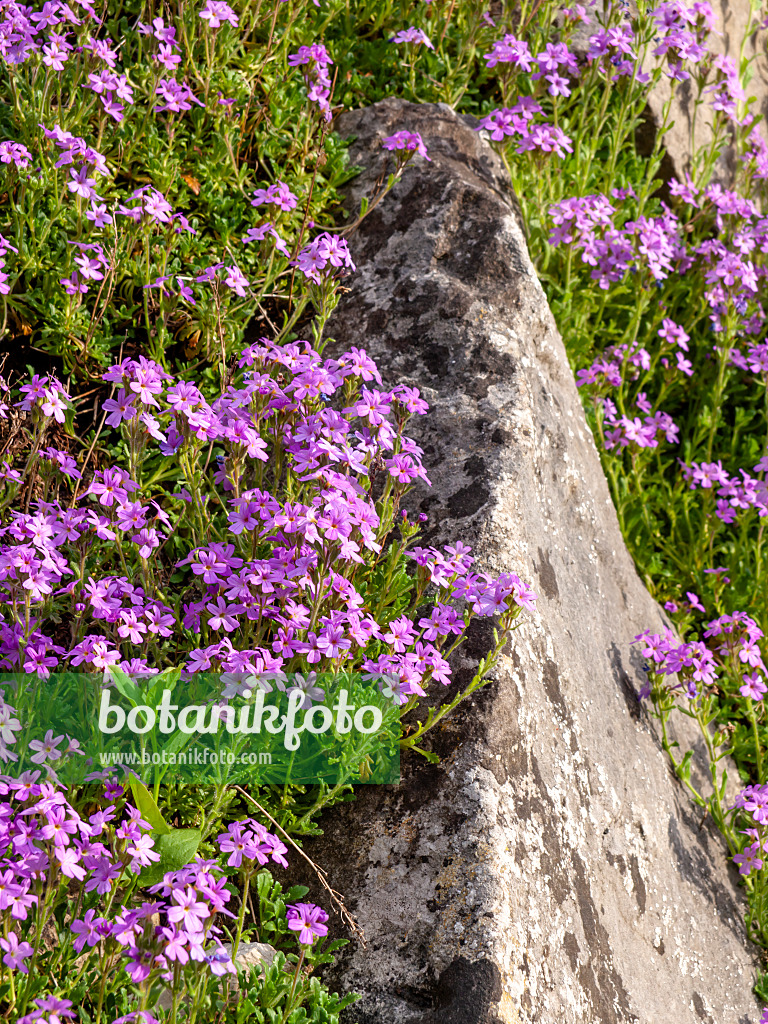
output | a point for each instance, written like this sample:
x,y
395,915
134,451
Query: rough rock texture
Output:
x,y
549,869
733,20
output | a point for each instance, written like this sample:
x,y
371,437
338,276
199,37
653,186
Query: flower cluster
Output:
x,y
176,96
316,60
734,494
278,194
326,255
752,801
15,153
654,246
651,244
611,50
50,850
622,430
218,13
519,121
51,840
92,195
406,142
271,583
699,664
413,35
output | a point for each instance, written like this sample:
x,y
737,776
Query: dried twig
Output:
x,y
336,898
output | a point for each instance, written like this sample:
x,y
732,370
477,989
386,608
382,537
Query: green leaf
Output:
x,y
430,756
177,848
684,768
176,742
126,686
147,808
166,680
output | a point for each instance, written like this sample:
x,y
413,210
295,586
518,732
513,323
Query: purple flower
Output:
x,y
753,687
15,953
176,96
50,1008
325,249
46,749
749,860
54,56
279,194
316,76
510,50
70,862
216,13
308,920
88,930
408,141
81,183
413,35
188,911
15,153
236,280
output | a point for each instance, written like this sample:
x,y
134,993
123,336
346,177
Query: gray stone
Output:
x,y
550,869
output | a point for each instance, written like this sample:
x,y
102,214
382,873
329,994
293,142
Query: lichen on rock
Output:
x,y
550,864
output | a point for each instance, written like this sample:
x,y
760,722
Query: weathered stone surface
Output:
x,y
688,133
549,869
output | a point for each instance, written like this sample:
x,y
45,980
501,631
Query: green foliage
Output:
x,y
206,162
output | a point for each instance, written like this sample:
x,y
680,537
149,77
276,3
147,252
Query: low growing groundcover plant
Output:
x,y
258,533
94,929
182,498
281,553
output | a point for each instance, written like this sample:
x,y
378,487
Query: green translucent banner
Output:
x,y
210,728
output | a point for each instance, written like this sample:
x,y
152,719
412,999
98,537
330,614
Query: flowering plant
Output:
x,y
276,554
237,507
90,928
699,678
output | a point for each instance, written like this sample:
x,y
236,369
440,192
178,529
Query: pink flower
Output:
x,y
308,920
189,912
236,280
16,952
70,862
753,687
216,13
413,35
409,141
53,405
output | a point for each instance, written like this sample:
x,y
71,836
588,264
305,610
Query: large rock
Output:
x,y
550,869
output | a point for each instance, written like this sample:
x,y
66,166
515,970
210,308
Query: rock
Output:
x,y
688,134
249,954
550,869
252,954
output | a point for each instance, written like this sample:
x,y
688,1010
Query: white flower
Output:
x,y
308,688
8,724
